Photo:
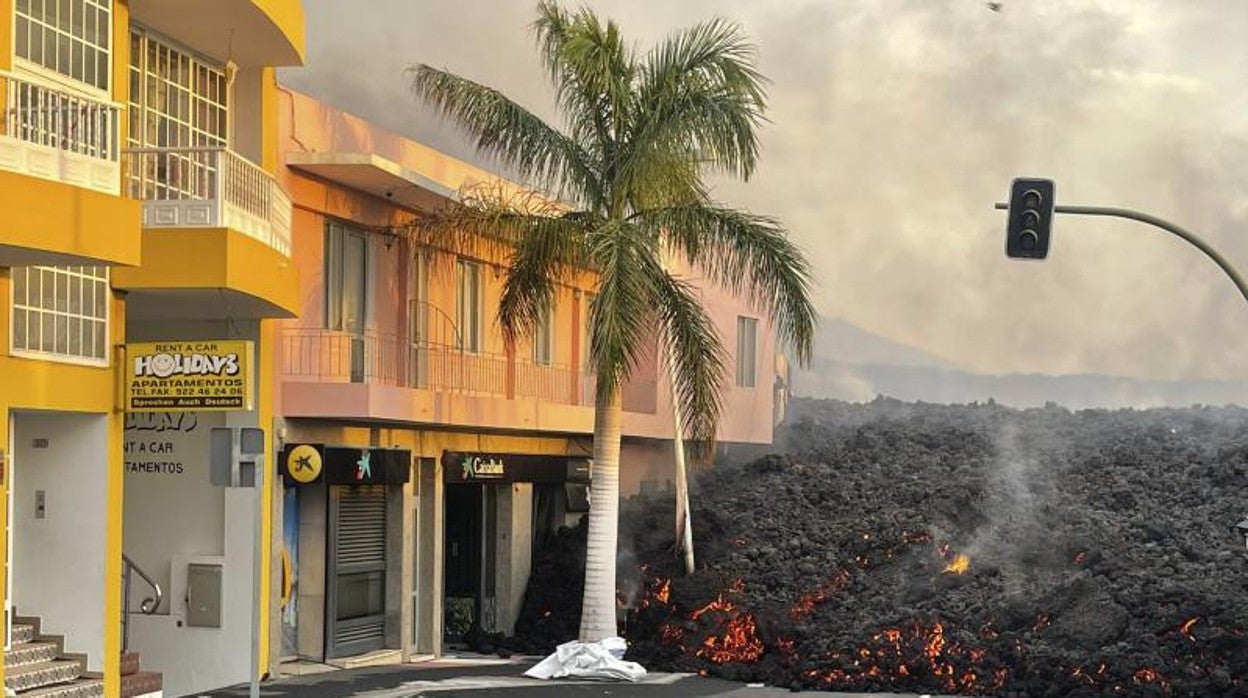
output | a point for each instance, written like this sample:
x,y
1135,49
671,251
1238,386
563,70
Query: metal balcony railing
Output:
x,y
208,187
381,359
53,133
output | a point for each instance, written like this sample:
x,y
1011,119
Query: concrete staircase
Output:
x,y
38,667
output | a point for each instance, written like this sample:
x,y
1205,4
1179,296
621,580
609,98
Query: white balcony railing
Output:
x,y
52,133
208,187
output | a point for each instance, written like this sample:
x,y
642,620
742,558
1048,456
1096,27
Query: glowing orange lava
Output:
x,y
959,565
739,643
1186,629
664,591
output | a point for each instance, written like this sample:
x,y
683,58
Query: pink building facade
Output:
x,y
396,358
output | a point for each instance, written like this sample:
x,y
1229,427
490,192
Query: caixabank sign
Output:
x,y
308,464
462,467
214,375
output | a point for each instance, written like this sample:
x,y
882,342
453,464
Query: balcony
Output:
x,y
208,188
60,176
332,374
58,135
216,237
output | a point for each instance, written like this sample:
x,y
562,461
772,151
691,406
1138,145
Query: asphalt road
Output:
x,y
441,680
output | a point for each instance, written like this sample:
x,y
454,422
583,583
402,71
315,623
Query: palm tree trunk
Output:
x,y
598,603
684,523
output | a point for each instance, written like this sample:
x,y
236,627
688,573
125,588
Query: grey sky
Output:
x,y
895,126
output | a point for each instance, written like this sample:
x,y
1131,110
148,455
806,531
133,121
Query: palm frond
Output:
x,y
512,134
623,306
748,254
592,71
700,89
693,345
548,251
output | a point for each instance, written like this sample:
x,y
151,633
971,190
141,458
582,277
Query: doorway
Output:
x,y
356,582
462,581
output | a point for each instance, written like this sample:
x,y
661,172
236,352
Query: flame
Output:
x,y
719,604
1186,628
664,591
546,614
739,643
1042,622
959,565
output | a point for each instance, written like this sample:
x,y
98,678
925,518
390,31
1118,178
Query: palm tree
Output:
x,y
641,131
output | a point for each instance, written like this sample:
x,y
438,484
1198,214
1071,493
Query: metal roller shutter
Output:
x,y
357,605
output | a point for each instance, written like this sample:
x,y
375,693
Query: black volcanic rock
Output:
x,y
1101,556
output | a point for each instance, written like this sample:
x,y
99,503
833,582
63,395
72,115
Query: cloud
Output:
x,y
895,125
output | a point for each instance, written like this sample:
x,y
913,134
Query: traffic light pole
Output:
x,y
1165,225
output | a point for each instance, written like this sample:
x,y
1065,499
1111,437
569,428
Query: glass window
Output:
x,y
180,101
747,351
346,278
70,37
468,305
61,312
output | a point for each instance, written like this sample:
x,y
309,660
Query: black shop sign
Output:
x,y
307,464
464,466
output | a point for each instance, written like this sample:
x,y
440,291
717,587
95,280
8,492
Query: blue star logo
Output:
x,y
362,467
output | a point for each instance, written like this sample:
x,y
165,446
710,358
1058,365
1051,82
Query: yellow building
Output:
x,y
137,158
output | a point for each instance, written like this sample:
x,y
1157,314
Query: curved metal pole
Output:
x,y
1156,222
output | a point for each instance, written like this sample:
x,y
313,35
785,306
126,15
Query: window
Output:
x,y
468,305
346,278
543,337
747,351
587,330
61,312
69,37
176,101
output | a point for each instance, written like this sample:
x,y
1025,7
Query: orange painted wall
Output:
x,y
309,126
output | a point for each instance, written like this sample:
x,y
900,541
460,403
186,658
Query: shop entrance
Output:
x,y
464,559
356,583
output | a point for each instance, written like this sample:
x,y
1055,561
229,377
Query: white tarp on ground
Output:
x,y
589,660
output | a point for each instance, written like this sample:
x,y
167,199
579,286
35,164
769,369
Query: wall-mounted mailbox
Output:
x,y
203,595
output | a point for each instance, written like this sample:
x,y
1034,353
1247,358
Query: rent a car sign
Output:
x,y
181,376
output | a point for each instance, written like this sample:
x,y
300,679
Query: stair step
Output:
x,y
28,676
31,653
83,688
23,632
141,684
129,663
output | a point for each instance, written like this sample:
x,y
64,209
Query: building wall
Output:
x,y
216,525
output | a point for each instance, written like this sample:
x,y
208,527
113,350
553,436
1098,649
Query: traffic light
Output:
x,y
1030,218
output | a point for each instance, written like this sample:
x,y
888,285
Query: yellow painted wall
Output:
x,y
47,385
6,36
287,16
212,258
